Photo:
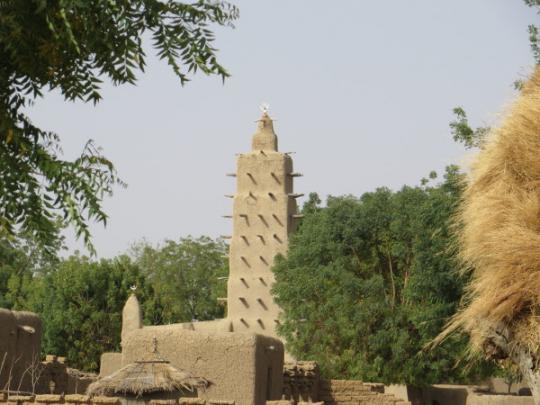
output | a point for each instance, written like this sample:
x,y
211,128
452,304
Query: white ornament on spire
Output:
x,y
264,107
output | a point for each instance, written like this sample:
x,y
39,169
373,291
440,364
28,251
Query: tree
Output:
x,y
81,304
368,281
13,270
81,299
20,260
70,46
186,278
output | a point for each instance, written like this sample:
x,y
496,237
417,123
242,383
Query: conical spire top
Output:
x,y
265,137
131,316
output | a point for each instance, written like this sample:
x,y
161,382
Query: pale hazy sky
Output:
x,y
361,90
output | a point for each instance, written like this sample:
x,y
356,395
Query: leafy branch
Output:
x,y
463,133
71,46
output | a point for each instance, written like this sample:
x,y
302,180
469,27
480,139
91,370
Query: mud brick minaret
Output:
x,y
264,216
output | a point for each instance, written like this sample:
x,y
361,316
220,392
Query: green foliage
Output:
x,y
36,185
20,260
186,277
13,271
369,281
81,304
312,203
69,46
80,300
463,133
534,39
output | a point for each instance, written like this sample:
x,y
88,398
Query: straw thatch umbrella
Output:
x,y
144,378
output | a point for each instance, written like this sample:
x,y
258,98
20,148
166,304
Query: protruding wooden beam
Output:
x,y
263,282
230,174
272,195
245,216
244,301
245,239
263,260
244,322
245,261
277,219
229,195
277,238
260,322
243,280
251,177
262,239
297,216
276,178
262,304
295,174
296,195
225,236
226,216
263,220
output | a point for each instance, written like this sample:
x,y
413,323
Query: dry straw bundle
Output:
x,y
147,377
499,231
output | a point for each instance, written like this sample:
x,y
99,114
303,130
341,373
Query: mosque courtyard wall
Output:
x,y
245,367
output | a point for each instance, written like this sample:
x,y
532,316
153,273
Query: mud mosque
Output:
x,y
236,360
242,350
264,215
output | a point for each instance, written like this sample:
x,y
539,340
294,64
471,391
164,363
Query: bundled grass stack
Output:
x,y
499,239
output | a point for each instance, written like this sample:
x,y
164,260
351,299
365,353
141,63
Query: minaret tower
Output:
x,y
264,213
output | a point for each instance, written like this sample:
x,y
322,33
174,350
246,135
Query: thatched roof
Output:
x,y
146,377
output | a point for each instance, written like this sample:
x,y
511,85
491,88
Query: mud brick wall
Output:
x,y
55,377
301,381
76,399
352,392
303,385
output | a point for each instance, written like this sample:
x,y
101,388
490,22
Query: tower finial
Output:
x,y
265,108
264,139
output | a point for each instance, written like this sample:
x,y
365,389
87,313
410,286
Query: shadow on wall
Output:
x,y
21,368
445,394
20,350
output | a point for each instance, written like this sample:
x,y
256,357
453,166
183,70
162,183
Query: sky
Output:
x,y
361,90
